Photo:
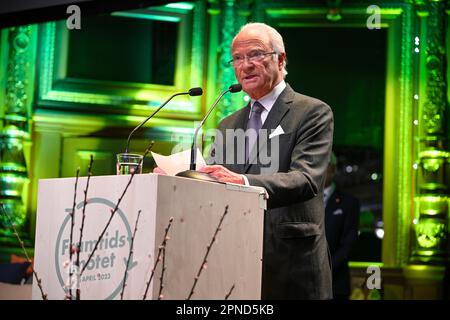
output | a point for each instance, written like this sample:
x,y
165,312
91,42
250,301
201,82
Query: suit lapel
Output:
x,y
276,114
241,122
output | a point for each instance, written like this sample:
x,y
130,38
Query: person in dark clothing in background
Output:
x,y
341,228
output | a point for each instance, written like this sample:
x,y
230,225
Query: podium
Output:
x,y
235,258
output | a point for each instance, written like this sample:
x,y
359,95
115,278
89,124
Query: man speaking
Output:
x,y
296,263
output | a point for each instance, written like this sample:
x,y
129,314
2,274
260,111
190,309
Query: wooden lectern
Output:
x,y
196,208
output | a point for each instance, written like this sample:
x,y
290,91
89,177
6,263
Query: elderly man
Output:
x,y
296,262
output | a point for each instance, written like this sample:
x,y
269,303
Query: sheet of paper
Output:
x,y
177,162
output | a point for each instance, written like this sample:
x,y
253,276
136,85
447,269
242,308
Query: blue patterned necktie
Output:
x,y
253,126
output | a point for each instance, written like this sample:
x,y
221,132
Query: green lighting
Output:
x,y
434,154
429,233
434,199
431,212
180,5
426,253
432,164
364,265
418,267
146,16
433,205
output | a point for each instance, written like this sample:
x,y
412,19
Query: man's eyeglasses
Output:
x,y
253,56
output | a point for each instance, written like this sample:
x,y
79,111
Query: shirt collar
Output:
x,y
269,99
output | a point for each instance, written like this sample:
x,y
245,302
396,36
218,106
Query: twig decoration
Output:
x,y
77,263
163,269
229,292
158,258
39,282
129,255
72,224
208,249
113,211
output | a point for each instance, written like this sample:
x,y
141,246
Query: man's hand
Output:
x,y
223,174
158,170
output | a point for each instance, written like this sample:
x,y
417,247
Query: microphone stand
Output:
x,y
191,92
192,172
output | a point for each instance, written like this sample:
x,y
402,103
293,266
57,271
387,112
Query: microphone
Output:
x,y
192,92
192,173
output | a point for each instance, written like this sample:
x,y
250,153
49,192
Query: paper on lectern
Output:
x,y
177,162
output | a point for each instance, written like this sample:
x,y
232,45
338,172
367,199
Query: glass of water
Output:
x,y
127,163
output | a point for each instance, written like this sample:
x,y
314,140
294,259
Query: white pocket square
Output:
x,y
337,212
279,130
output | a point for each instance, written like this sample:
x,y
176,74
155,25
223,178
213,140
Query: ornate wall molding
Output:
x,y
58,90
15,126
431,219
397,19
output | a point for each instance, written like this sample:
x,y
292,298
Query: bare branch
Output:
x,y
229,292
115,210
161,247
77,263
72,224
129,255
163,269
208,249
39,282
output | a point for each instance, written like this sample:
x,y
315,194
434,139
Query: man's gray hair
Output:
x,y
276,40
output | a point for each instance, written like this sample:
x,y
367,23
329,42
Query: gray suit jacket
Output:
x,y
296,261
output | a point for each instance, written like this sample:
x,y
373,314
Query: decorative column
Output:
x,y
14,129
431,227
234,14
198,42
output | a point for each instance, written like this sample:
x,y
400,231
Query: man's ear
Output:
x,y
281,59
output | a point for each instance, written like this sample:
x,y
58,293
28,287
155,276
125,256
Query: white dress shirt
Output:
x,y
267,102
